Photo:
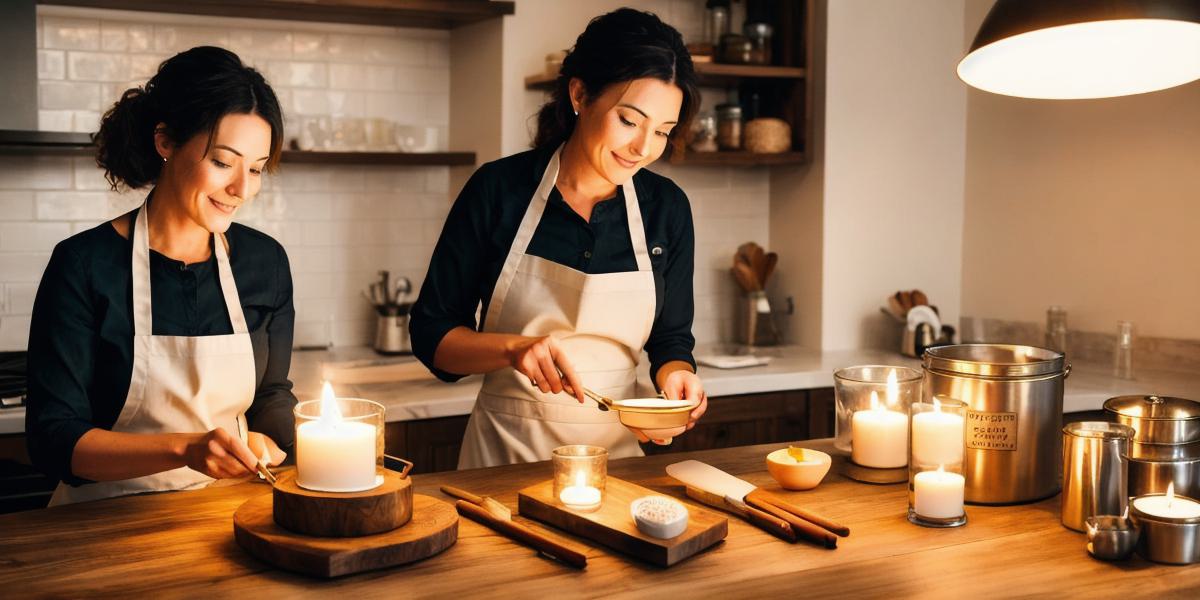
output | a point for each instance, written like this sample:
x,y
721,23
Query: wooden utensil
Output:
x,y
768,268
745,277
919,298
758,518
490,513
492,505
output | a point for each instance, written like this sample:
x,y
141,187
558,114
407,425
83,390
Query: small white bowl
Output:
x,y
794,475
661,529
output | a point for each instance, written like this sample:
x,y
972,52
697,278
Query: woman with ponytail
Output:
x,y
161,340
580,258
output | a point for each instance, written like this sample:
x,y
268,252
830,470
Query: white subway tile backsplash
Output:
x,y
261,42
141,37
437,180
143,66
55,120
32,237
97,66
177,38
16,206
52,64
348,76
20,298
23,266
14,332
85,121
35,172
88,176
342,46
437,53
309,46
68,95
114,37
71,206
70,34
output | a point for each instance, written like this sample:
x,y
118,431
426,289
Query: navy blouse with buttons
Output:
x,y
483,222
81,335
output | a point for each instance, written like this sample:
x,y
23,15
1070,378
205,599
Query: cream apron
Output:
x,y
600,321
179,384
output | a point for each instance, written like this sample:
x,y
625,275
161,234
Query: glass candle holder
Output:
x,y
339,443
872,413
579,475
936,484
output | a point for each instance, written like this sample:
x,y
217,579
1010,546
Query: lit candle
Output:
x,y
937,437
1168,505
581,495
334,455
878,436
938,494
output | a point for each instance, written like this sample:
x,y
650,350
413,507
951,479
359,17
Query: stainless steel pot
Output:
x,y
1164,451
1148,476
1157,419
1014,398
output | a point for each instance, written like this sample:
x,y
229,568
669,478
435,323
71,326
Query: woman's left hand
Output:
x,y
263,446
683,384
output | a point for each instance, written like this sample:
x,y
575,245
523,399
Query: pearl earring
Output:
x,y
576,112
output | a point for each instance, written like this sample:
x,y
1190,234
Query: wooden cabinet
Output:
x,y
748,419
21,486
431,444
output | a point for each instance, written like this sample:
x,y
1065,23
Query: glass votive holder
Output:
x,y
872,413
936,484
339,443
579,475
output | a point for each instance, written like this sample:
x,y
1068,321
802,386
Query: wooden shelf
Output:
x,y
708,73
739,159
429,14
80,144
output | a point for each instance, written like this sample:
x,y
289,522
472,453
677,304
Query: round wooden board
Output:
x,y
433,528
872,475
354,514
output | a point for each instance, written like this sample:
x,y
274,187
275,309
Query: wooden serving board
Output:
x,y
612,524
433,528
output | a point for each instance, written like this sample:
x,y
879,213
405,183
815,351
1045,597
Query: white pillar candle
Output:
x,y
1168,506
581,495
937,437
334,455
879,437
938,494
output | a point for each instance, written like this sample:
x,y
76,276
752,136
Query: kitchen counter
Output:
x,y
418,395
181,544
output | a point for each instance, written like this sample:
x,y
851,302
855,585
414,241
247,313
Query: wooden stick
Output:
x,y
840,530
802,528
538,541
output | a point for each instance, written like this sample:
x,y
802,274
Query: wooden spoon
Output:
x,y
768,268
745,277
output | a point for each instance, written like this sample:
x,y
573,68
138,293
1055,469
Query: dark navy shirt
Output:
x,y
81,335
483,222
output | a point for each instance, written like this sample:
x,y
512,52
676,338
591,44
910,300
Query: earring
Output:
x,y
164,159
576,112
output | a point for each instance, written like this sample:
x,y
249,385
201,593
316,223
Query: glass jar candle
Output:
x,y
872,413
339,443
936,483
579,475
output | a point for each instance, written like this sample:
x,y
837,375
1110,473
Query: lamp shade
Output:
x,y
1069,49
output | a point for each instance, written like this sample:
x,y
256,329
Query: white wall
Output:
x,y
340,224
895,135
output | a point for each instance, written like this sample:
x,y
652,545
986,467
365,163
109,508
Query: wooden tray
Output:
x,y
433,528
612,524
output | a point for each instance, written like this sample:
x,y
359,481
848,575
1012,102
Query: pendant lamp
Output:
x,y
1070,49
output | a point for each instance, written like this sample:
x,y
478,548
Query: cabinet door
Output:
x,y
433,444
821,413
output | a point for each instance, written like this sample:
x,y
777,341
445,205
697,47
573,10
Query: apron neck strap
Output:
x,y
143,320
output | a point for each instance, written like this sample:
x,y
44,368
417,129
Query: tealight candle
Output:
x,y
580,496
937,436
939,495
1168,506
334,454
879,437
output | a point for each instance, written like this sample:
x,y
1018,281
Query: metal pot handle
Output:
x,y
1067,371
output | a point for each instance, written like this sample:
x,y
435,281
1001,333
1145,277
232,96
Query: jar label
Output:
x,y
991,430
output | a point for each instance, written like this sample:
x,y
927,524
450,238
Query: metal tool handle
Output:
x,y
407,465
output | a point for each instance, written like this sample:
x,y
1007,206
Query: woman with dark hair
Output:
x,y
580,257
160,341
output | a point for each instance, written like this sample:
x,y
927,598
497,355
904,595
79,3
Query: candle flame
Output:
x,y
893,388
875,401
1170,494
330,413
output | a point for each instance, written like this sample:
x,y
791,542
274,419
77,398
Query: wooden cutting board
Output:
x,y
433,528
612,524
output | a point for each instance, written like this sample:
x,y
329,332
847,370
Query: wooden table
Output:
x,y
181,544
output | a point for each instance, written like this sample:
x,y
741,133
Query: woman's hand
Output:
x,y
219,455
264,447
545,364
677,382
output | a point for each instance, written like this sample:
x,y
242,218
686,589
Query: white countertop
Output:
x,y
420,396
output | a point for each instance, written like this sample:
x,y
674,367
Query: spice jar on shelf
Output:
x,y
704,134
729,126
759,36
735,49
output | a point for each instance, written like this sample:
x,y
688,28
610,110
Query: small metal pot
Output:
x,y
1111,537
1166,539
1147,476
1157,419
1164,451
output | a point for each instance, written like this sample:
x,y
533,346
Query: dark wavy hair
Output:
x,y
190,94
621,46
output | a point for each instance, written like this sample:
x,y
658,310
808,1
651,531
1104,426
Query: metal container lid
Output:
x,y
1154,408
1099,429
994,360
